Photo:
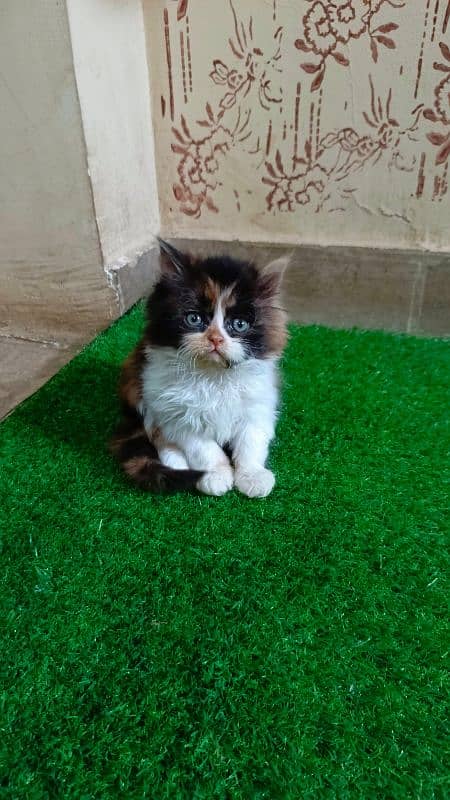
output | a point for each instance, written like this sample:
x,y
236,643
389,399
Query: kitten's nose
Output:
x,y
215,338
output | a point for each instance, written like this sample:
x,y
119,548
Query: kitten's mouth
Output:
x,y
218,357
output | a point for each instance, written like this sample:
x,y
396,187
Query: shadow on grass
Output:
x,y
78,408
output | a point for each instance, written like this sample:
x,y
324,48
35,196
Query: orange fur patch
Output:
x,y
276,336
130,387
215,294
228,297
212,292
135,465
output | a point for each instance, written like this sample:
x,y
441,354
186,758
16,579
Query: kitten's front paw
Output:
x,y
216,482
257,483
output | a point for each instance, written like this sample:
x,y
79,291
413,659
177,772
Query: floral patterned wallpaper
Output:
x,y
303,120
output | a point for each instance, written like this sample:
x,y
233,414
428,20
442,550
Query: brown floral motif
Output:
x,y
329,24
200,158
440,113
340,155
300,189
256,68
318,32
347,19
182,9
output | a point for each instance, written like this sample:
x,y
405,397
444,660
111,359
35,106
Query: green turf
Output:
x,y
193,647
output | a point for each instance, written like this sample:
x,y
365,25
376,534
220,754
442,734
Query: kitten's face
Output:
x,y
217,311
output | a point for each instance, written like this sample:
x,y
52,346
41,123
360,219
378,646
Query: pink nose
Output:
x,y
215,339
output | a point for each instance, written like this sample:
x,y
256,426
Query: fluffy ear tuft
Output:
x,y
172,261
271,275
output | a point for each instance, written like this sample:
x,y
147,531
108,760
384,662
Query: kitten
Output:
x,y
203,380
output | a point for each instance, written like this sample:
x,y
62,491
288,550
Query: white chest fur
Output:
x,y
213,402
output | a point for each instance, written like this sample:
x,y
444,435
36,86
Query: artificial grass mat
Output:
x,y
196,647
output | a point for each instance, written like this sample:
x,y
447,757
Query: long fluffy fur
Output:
x,y
187,394
140,461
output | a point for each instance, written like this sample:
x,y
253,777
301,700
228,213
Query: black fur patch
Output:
x,y
140,461
184,290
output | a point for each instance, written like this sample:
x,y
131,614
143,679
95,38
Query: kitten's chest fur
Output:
x,y
210,402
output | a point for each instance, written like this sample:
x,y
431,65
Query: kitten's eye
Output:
x,y
194,320
240,325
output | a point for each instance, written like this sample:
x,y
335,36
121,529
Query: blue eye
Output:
x,y
240,325
193,320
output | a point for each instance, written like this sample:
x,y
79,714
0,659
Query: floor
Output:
x,y
26,365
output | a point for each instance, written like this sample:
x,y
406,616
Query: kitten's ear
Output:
x,y
271,275
172,261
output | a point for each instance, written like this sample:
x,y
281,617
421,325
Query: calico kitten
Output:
x,y
203,380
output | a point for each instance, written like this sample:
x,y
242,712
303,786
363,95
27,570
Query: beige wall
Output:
x,y
78,199
108,43
50,258
320,121
304,121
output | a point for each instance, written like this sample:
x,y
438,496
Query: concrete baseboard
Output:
x,y
131,279
393,290
27,361
406,291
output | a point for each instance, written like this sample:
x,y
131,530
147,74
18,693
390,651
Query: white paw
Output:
x,y
173,458
257,483
216,482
